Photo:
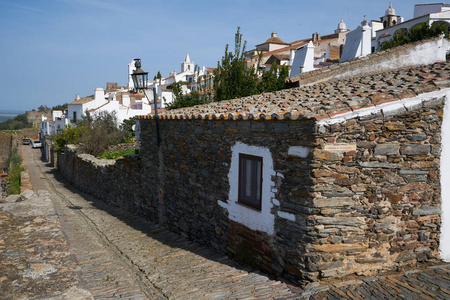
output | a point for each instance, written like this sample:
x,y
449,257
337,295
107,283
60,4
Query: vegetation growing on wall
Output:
x,y
116,154
14,170
69,135
419,32
93,134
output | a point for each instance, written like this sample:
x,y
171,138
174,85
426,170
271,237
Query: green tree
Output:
x,y
60,107
93,134
274,78
417,33
69,135
232,78
99,132
180,100
43,108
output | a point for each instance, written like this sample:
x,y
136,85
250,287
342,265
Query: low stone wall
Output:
x,y
118,182
419,53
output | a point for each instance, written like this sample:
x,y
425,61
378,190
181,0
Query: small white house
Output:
x,y
121,102
49,127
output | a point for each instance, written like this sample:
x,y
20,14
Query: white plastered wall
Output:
x,y
262,220
444,245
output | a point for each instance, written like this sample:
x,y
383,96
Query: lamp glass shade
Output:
x,y
140,79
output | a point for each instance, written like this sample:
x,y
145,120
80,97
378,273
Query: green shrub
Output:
x,y
69,135
15,168
417,33
116,154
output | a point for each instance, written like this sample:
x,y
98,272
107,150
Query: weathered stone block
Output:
x,y
412,172
356,222
324,173
414,149
427,210
394,198
395,126
333,202
338,247
325,266
387,149
320,154
368,164
416,137
347,181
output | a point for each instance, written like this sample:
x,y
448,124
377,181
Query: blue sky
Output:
x,y
50,50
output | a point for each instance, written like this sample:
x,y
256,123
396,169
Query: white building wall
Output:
x,y
78,109
263,220
358,43
425,9
303,59
444,245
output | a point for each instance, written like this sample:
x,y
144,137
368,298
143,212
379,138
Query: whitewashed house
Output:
x,y
389,25
58,122
124,104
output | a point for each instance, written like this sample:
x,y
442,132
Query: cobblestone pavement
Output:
x,y
106,253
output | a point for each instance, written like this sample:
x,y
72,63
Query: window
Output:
x,y
74,116
250,180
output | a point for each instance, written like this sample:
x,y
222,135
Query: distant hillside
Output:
x,y
6,116
14,122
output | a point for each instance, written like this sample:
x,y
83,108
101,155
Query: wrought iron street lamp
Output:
x,y
140,78
140,81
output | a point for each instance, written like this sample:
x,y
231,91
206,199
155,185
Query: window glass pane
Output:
x,y
248,178
258,180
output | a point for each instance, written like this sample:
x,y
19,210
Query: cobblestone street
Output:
x,y
58,243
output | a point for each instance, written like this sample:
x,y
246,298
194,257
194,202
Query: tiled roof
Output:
x,y
273,40
325,100
81,101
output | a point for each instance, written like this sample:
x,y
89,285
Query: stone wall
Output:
x,y
35,117
118,182
378,206
6,140
373,206
419,53
180,183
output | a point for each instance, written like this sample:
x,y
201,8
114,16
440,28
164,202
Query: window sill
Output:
x,y
249,206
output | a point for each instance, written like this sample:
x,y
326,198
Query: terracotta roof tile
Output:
x,y
325,100
81,101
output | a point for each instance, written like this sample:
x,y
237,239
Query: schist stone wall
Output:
x,y
340,196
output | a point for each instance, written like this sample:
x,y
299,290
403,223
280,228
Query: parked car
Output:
x,y
37,144
26,141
